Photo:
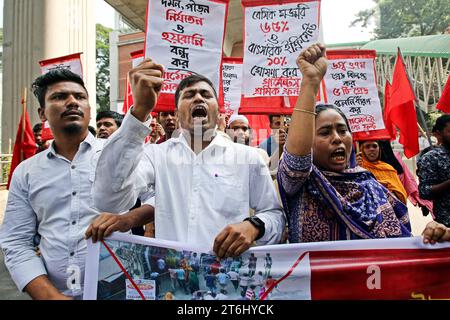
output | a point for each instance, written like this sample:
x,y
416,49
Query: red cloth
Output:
x,y
402,112
47,133
444,102
387,121
260,125
128,102
22,149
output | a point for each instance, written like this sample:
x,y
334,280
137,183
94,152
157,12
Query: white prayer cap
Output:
x,y
238,117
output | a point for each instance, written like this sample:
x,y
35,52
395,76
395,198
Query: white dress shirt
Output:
x,y
196,196
52,196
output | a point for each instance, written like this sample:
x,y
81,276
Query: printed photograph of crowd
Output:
x,y
183,275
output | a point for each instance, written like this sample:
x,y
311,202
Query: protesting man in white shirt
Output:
x,y
204,184
50,194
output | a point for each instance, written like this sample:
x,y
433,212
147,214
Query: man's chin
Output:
x,y
73,129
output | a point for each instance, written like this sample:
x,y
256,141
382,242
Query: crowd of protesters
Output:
x,y
186,181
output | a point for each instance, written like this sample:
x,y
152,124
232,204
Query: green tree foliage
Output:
x,y
103,84
406,18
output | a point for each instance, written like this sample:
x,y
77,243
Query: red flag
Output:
x,y
25,146
387,121
402,112
444,102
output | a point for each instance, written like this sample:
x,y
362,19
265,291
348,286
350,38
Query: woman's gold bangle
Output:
x,y
306,111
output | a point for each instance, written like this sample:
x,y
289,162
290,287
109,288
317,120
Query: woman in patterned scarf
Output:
x,y
325,195
370,159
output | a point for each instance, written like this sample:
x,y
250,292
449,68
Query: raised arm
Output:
x,y
313,65
124,170
296,164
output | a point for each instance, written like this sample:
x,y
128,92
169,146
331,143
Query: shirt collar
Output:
x,y
220,141
88,142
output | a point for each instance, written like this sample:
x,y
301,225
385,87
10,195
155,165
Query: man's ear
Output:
x,y
42,116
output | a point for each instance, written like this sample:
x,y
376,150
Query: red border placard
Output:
x,y
382,134
270,105
166,101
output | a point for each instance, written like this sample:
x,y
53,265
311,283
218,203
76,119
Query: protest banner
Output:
x,y
275,34
351,85
403,268
186,37
70,62
137,57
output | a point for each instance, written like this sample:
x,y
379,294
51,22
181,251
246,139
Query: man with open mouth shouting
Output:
x,y
204,183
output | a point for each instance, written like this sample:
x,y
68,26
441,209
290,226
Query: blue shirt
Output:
x,y
50,195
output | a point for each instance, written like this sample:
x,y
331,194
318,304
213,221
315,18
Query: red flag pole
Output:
x,y
417,105
24,109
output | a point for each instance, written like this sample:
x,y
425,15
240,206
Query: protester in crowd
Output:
x,y
435,233
50,195
326,196
370,159
44,191
169,124
239,132
199,187
40,145
277,139
412,188
108,122
156,133
434,173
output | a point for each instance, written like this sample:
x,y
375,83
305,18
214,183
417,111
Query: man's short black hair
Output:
x,y
41,84
441,122
190,81
92,130
37,127
118,118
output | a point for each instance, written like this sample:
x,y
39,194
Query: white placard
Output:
x,y
351,86
274,37
232,86
186,37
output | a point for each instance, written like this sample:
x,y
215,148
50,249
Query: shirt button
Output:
x,y
74,222
72,254
73,167
74,193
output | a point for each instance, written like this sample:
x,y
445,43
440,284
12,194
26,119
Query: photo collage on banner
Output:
x,y
351,85
275,34
126,267
182,35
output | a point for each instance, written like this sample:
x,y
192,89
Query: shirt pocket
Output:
x,y
229,197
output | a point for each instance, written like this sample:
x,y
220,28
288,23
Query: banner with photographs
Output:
x,y
126,267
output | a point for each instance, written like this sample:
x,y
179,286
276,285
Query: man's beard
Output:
x,y
72,129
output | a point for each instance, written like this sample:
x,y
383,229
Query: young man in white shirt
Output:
x,y
204,184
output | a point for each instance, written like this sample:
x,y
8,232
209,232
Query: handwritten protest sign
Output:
x,y
351,86
275,34
185,36
232,84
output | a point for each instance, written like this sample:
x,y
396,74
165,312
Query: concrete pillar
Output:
x,y
35,30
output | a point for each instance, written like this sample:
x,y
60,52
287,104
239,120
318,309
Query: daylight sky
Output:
x,y
336,16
